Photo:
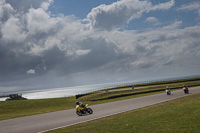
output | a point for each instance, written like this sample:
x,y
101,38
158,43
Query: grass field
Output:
x,y
177,116
13,109
125,91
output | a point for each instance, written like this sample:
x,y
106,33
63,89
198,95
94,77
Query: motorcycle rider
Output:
x,y
80,106
185,89
82,109
168,90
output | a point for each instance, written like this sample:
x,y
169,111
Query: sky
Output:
x,y
60,43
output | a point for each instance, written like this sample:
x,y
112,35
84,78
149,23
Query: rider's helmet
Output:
x,y
166,87
77,102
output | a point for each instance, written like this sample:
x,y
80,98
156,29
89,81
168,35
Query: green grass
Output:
x,y
19,108
177,116
127,90
14,109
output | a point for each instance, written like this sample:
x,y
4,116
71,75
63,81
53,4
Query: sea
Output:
x,y
66,91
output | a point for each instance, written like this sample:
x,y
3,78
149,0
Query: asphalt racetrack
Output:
x,y
54,120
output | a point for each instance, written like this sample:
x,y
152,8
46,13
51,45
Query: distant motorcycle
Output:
x,y
83,110
186,90
168,91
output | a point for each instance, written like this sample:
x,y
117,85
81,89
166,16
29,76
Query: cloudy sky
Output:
x,y
57,43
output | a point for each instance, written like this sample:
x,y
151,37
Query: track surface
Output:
x,y
49,121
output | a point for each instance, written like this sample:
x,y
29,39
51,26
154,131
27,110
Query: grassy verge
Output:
x,y
13,109
139,89
180,115
19,108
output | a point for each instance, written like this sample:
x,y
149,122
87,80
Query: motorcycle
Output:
x,y
186,90
168,92
83,110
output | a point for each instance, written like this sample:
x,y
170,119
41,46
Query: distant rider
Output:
x,y
168,90
185,89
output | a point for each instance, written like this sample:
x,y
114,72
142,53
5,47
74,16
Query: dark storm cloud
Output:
x,y
15,65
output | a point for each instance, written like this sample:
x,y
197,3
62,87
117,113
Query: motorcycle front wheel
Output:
x,y
79,113
89,110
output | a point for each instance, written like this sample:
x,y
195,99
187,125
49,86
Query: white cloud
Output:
x,y
39,21
31,71
121,12
153,20
82,52
12,31
164,6
5,9
195,6
45,4
44,68
160,47
172,26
